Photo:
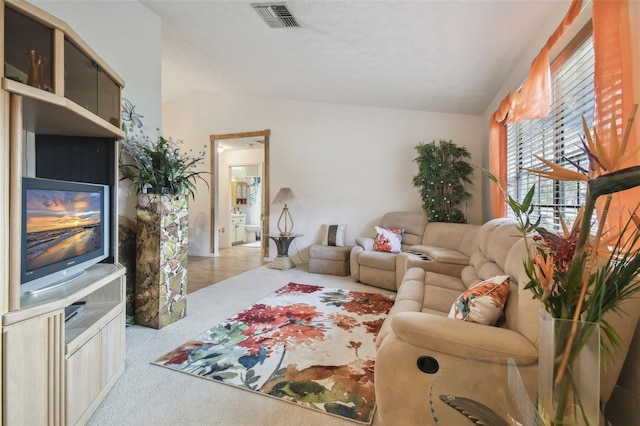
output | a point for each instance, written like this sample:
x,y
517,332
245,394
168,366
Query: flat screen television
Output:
x,y
65,230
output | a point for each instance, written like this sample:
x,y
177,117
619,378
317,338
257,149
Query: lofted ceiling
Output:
x,y
446,56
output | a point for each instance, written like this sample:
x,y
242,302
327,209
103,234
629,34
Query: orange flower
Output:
x,y
544,269
557,172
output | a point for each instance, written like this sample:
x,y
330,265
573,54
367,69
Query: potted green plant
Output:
x,y
164,177
156,166
443,173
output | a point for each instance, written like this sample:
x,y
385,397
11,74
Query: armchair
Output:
x,y
379,268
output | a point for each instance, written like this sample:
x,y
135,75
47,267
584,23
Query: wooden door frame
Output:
x,y
214,241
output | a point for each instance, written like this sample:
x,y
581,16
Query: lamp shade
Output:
x,y
284,196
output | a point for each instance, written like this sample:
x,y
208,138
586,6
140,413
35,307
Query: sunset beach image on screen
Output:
x,y
61,225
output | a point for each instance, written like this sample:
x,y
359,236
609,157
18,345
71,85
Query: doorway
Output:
x,y
245,203
217,226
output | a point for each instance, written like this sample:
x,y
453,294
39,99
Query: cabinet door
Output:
x,y
234,232
83,378
34,371
241,232
94,367
113,349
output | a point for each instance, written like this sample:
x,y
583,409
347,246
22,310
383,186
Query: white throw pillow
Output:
x,y
388,240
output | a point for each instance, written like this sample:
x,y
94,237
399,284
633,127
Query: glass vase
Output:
x,y
568,395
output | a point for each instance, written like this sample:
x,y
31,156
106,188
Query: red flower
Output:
x,y
269,326
368,303
298,288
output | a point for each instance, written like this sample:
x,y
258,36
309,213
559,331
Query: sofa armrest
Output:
x,y
365,242
461,339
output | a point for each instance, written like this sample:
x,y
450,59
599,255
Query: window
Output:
x,y
558,138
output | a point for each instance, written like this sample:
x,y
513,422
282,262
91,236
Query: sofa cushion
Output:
x,y
436,279
438,299
388,240
333,235
378,260
460,237
482,303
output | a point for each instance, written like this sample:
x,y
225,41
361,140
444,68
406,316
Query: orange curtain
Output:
x,y
531,101
614,87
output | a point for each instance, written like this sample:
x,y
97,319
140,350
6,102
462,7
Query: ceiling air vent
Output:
x,y
276,15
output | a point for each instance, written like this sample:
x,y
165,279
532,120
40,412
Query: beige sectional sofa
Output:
x,y
418,326
418,343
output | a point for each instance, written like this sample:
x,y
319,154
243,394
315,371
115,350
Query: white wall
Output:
x,y
127,36
345,164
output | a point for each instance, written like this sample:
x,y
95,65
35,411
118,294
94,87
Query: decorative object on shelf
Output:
x,y
158,166
36,69
580,277
441,179
285,196
161,259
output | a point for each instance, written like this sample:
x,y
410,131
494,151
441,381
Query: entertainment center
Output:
x,y
63,343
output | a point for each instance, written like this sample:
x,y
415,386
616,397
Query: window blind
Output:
x,y
558,138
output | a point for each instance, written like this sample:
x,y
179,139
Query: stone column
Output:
x,y
161,259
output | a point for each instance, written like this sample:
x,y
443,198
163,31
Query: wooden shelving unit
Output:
x,y
55,372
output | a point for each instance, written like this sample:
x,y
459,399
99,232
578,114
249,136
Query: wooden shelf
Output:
x,y
49,114
88,323
59,298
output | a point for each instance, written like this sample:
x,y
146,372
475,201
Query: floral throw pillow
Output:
x,y
388,240
483,303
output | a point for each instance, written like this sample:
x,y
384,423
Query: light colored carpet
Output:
x,y
147,394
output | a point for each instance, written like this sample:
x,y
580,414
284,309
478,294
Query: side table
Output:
x,y
282,261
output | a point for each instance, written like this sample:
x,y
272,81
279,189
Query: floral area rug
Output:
x,y
304,344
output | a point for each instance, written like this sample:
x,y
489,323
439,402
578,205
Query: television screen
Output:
x,y
64,230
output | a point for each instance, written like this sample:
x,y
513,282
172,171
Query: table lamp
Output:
x,y
285,196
